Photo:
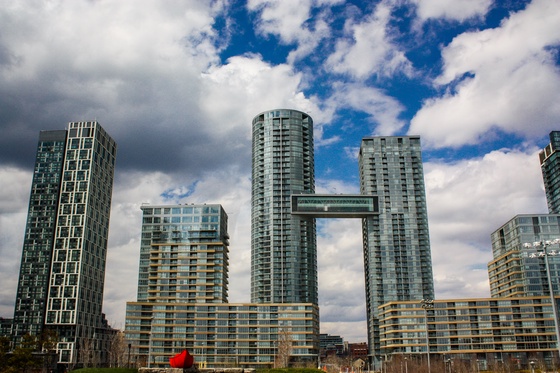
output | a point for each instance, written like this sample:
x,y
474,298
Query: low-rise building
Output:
x,y
486,330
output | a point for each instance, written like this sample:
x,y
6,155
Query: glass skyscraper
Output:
x,y
550,166
62,270
283,246
38,241
397,255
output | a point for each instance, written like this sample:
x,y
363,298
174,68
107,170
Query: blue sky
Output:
x,y
177,83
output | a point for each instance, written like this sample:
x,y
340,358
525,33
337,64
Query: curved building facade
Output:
x,y
283,247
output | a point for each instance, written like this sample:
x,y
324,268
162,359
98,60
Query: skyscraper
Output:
x,y
397,255
38,242
62,271
550,166
283,246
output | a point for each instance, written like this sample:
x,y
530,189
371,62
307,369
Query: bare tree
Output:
x,y
283,349
117,350
332,363
89,353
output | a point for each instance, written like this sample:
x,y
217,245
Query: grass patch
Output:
x,y
105,370
290,370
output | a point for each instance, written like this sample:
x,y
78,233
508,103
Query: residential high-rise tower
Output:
x,y
283,246
516,270
397,255
62,273
179,243
550,166
38,242
182,298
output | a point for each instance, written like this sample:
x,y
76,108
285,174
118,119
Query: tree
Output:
x,y
88,354
117,350
22,359
48,340
283,349
47,345
5,344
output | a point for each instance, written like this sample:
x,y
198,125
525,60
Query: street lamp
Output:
x,y
405,364
150,344
532,366
427,304
545,253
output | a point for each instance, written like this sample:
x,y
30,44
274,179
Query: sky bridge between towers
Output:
x,y
334,205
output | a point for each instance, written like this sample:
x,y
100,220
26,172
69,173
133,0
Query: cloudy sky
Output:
x,y
177,83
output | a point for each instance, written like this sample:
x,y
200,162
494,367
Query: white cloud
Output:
x,y
134,68
116,38
341,276
369,48
292,22
459,10
467,201
14,199
383,110
243,87
503,78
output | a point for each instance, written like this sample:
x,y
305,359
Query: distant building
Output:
x,y
6,327
62,269
550,166
397,255
329,342
358,351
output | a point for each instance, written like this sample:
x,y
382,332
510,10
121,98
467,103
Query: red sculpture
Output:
x,y
182,360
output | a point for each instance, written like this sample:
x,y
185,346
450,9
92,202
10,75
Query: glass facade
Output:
x,y
283,246
334,206
183,254
182,298
514,271
63,261
550,166
496,332
220,335
34,271
397,255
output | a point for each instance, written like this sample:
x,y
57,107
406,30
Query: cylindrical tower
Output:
x,y
283,247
